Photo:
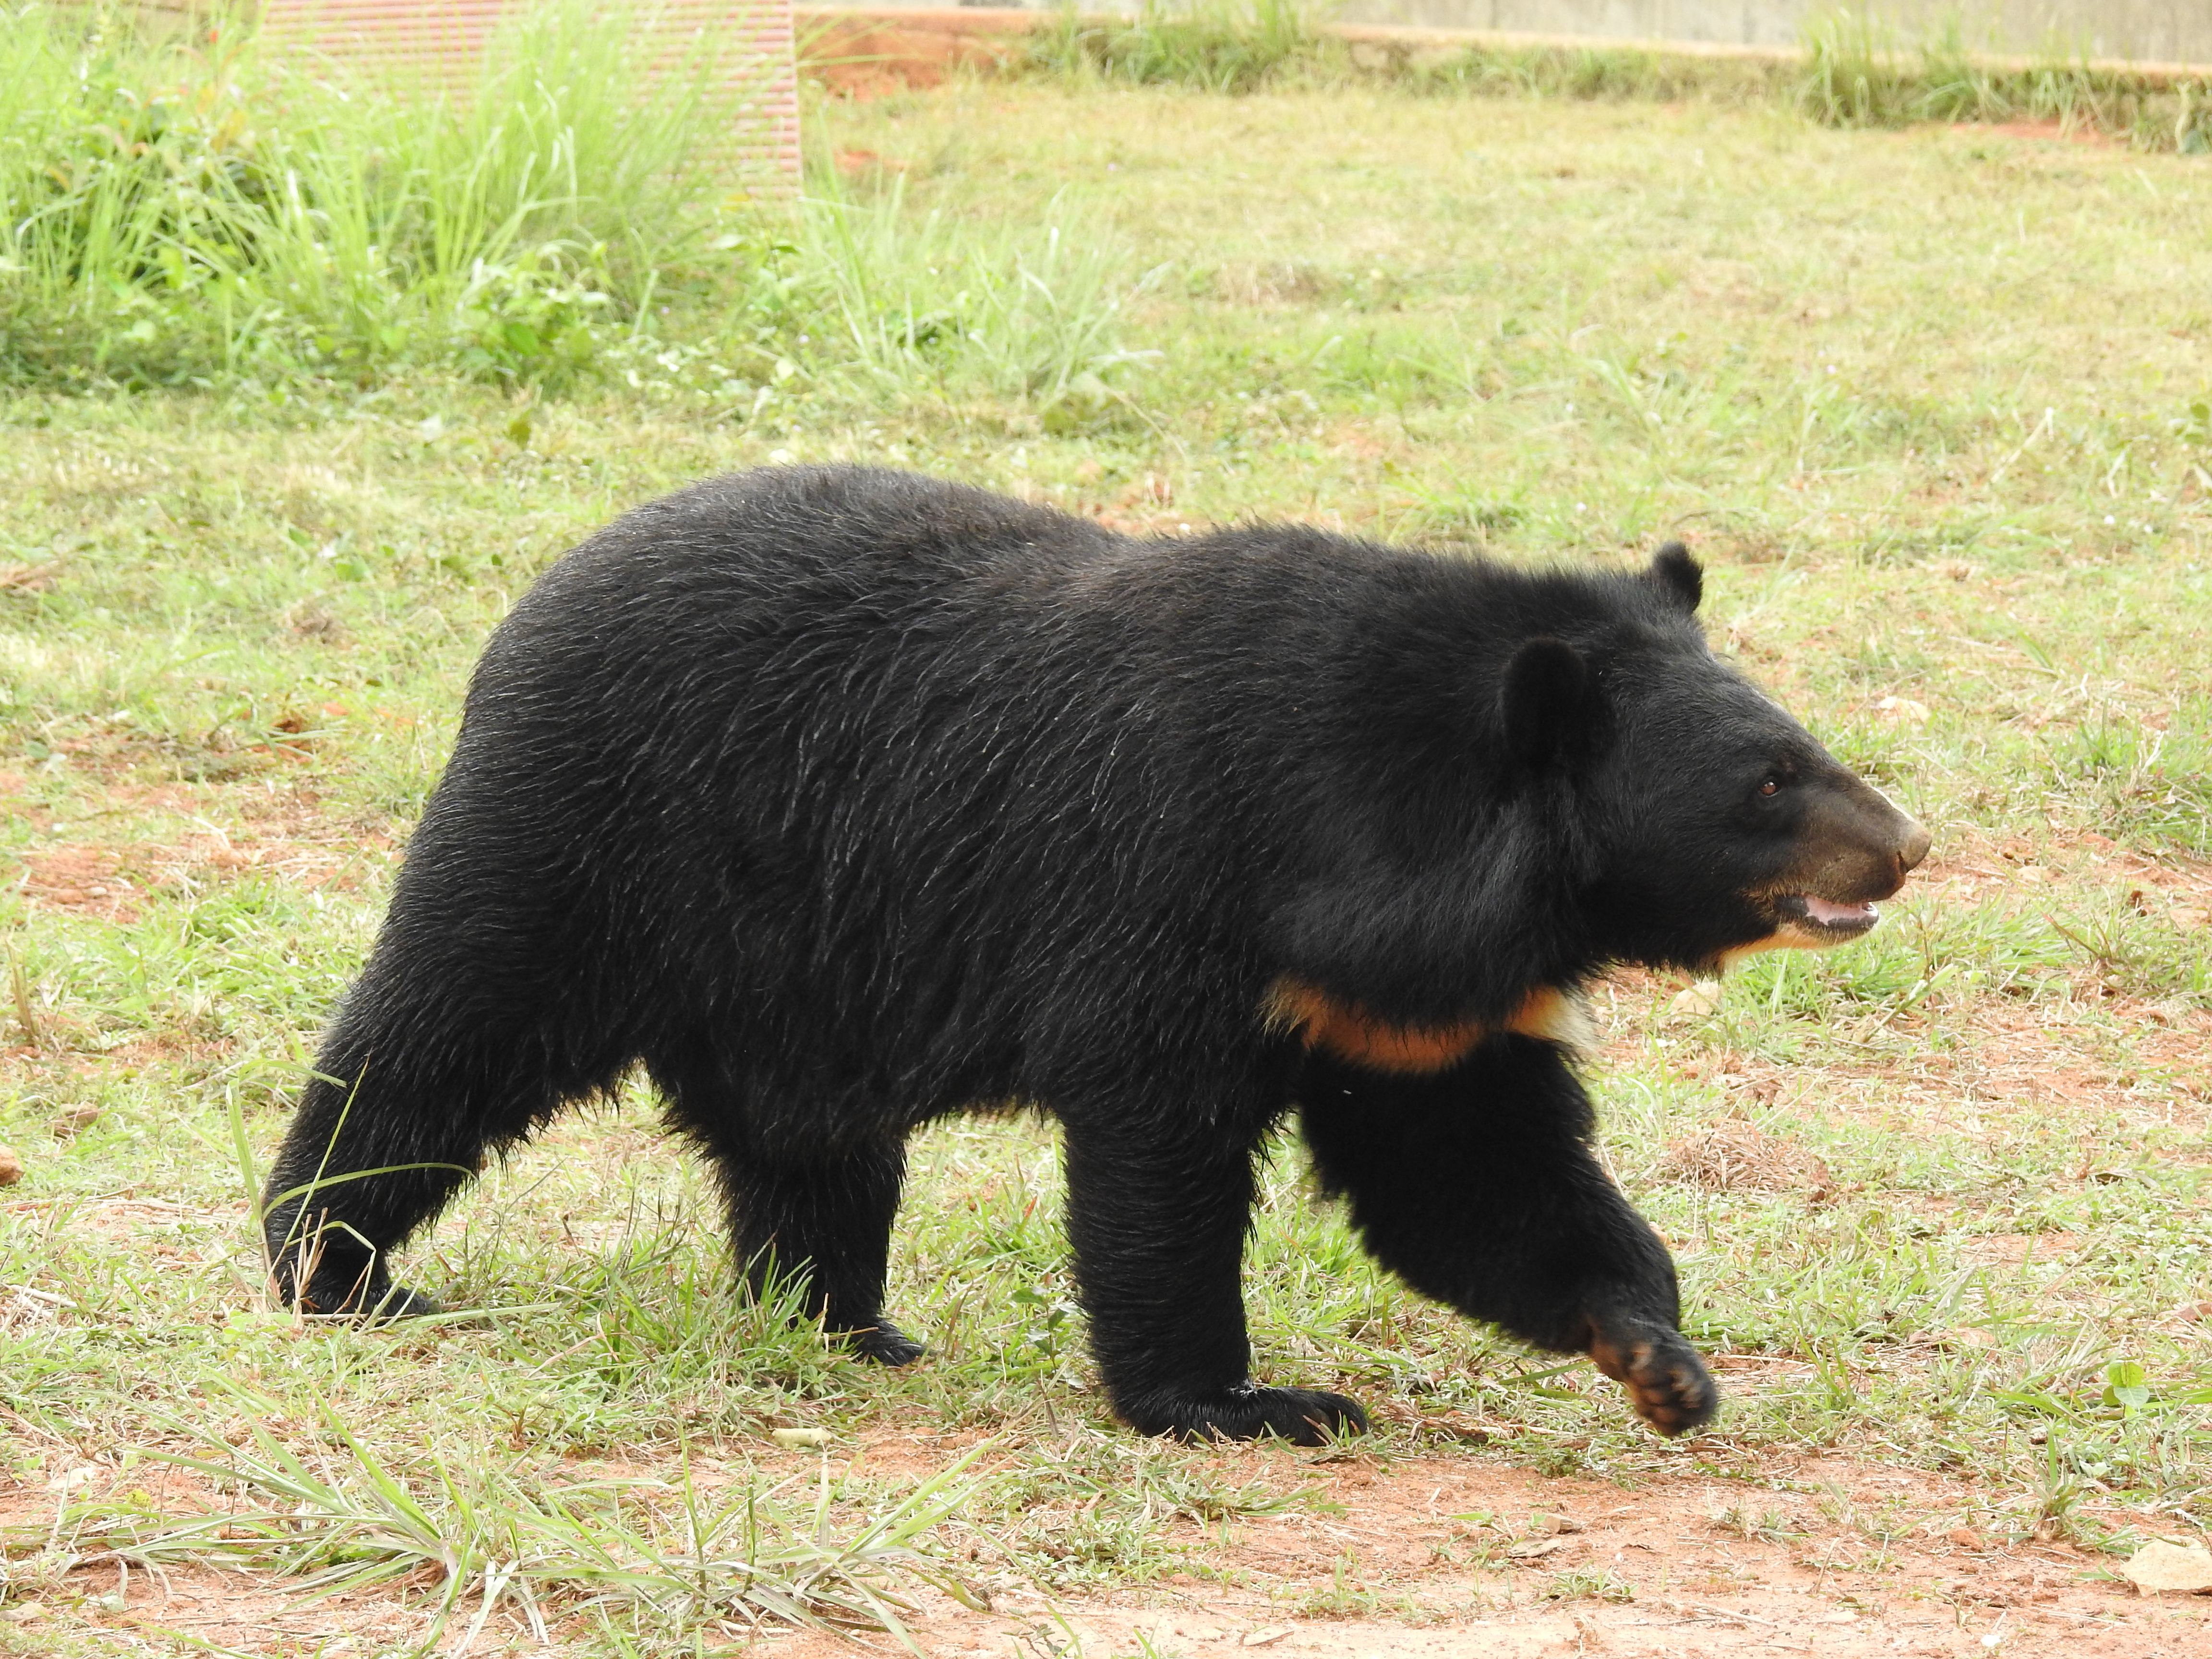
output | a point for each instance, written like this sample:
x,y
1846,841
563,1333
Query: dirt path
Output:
x,y
1449,1557
1419,1557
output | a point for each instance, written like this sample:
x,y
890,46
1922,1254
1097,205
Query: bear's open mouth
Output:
x,y
1824,919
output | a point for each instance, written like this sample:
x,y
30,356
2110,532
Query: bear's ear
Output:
x,y
1682,576
1546,687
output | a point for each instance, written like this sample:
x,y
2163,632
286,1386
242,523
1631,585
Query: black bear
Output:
x,y
844,799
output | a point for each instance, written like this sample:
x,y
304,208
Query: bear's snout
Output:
x,y
1912,849
1854,850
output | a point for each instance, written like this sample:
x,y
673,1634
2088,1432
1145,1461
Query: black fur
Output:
x,y
845,800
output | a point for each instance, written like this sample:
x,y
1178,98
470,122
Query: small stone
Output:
x,y
1701,1001
11,1167
2159,1566
1967,1538
799,1439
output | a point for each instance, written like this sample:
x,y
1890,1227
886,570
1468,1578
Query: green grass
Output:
x,y
1859,73
199,209
1930,403
184,206
1856,71
1213,45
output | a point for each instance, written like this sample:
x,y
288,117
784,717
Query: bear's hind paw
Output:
x,y
1665,1381
1305,1416
886,1344
376,1304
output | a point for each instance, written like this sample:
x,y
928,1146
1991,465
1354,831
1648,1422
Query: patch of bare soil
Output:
x,y
862,57
1428,1556
2049,133
109,1599
108,881
1446,1557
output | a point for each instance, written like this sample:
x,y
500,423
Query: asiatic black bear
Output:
x,y
845,800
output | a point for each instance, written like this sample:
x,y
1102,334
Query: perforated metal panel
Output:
x,y
750,44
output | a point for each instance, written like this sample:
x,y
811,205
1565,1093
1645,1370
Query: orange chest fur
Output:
x,y
1350,1032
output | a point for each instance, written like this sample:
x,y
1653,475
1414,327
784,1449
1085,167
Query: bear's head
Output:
x,y
1720,825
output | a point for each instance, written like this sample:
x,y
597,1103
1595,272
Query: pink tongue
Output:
x,y
1821,911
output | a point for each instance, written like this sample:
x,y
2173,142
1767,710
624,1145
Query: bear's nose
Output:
x,y
1913,848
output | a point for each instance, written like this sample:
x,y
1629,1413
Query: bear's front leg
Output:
x,y
1158,1222
1477,1186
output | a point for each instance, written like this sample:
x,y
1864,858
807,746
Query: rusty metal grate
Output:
x,y
442,42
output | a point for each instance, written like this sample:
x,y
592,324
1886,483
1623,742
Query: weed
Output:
x,y
1034,317
1215,46
663,1557
177,207
1856,71
1584,1584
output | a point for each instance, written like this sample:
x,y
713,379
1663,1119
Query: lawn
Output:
x,y
1933,405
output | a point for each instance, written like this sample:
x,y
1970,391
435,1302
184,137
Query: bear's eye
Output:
x,y
1771,787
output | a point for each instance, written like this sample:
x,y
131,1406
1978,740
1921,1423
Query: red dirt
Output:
x,y
862,57
1449,1556
2054,132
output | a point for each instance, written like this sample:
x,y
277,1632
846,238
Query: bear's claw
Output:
x,y
1665,1381
1304,1416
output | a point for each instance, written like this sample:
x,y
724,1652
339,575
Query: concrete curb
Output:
x,y
928,39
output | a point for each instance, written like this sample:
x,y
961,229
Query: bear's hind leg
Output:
x,y
399,1116
826,1224
1478,1187
1158,1229
818,1220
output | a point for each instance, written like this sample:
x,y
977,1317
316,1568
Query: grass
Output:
x,y
196,208
1857,71
186,205
650,1561
1213,45
1959,1234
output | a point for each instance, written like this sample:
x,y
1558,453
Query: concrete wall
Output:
x,y
2146,31
2156,31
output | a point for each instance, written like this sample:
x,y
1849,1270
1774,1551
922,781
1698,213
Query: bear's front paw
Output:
x,y
886,1344
1666,1382
1305,1416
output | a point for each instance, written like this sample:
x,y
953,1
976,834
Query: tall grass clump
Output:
x,y
184,207
1033,315
1858,72
1214,45
660,1565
